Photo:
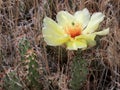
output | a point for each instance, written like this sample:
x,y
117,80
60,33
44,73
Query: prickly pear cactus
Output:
x,y
79,72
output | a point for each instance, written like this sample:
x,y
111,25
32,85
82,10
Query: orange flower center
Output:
x,y
74,30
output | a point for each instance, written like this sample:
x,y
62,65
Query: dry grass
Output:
x,y
22,19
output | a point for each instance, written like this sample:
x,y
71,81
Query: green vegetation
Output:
x,y
79,72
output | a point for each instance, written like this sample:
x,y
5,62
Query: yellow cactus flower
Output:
x,y
74,31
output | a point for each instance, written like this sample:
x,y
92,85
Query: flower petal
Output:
x,y
90,39
94,22
83,17
75,44
103,32
52,33
64,18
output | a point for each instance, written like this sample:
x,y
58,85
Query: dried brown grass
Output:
x,y
23,19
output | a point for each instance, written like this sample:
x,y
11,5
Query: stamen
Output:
x,y
74,30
